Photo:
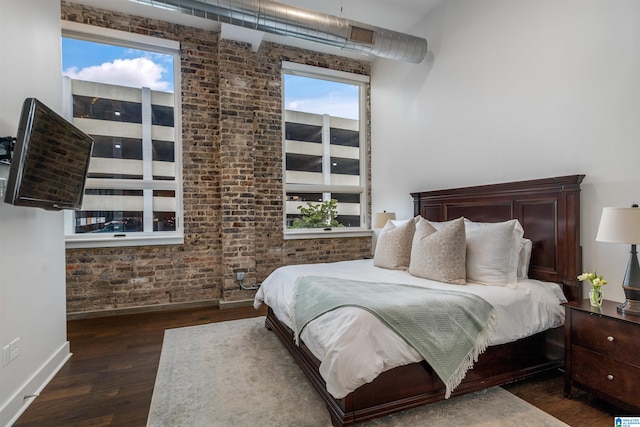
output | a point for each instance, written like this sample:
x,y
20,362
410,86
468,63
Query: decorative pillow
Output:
x,y
393,249
399,222
524,258
493,252
438,225
439,254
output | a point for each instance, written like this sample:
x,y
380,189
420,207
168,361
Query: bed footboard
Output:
x,y
417,384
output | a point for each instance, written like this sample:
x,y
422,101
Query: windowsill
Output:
x,y
111,241
326,234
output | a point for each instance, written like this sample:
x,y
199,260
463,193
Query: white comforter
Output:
x,y
354,347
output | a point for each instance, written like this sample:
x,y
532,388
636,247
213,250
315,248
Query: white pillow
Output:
x,y
493,252
393,249
399,222
439,254
524,258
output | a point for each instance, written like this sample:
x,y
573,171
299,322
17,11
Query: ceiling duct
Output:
x,y
292,21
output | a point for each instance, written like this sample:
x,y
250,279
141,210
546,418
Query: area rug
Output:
x,y
237,373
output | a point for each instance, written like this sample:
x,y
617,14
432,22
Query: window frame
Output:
x,y
292,68
123,239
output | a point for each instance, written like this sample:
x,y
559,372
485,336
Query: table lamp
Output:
x,y
380,219
622,225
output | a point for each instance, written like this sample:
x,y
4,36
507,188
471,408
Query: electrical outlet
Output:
x,y
240,275
10,351
15,348
6,355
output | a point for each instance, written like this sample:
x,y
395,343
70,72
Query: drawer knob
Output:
x,y
610,338
610,377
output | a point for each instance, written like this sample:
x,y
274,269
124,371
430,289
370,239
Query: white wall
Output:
x,y
513,91
32,260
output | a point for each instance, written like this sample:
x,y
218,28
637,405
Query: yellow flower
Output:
x,y
596,281
584,276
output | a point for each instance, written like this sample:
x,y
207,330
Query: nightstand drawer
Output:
x,y
614,378
606,336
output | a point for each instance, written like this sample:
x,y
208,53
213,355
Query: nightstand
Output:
x,y
602,353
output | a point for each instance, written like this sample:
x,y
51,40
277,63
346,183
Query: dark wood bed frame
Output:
x,y
549,211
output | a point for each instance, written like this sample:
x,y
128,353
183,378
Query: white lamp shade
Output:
x,y
380,219
619,225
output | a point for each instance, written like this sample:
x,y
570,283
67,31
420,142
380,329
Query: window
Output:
x,y
325,159
119,88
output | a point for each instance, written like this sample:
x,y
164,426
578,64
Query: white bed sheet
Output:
x,y
354,347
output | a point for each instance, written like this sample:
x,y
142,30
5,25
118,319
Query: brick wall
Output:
x,y
232,173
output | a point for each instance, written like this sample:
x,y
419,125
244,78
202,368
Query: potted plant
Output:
x,y
318,215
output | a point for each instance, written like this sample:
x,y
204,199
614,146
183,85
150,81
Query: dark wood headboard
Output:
x,y
548,209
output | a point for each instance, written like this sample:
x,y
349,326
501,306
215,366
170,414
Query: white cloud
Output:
x,y
136,72
336,106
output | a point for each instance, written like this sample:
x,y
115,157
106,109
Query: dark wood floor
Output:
x,y
109,379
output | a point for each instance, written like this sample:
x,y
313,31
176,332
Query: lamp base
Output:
x,y
629,307
631,286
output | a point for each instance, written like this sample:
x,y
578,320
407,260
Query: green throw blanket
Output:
x,y
450,329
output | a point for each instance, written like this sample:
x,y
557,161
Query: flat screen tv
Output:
x,y
50,160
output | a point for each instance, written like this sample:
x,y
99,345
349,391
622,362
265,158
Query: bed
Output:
x,y
548,211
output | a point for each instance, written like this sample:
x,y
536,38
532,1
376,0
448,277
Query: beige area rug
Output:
x,y
237,373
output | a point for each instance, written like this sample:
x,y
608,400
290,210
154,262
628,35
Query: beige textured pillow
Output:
x,y
393,249
439,254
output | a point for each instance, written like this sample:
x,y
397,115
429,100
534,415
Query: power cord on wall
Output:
x,y
240,277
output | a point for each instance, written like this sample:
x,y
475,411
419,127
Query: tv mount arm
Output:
x,y
7,144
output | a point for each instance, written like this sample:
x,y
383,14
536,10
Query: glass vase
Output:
x,y
595,297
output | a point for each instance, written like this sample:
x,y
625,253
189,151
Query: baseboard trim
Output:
x,y
236,304
79,315
22,398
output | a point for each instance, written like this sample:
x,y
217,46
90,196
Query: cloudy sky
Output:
x,y
116,65
321,96
123,66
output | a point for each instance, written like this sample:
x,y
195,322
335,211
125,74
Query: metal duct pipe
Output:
x,y
292,21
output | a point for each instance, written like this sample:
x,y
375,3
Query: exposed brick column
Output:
x,y
268,160
237,168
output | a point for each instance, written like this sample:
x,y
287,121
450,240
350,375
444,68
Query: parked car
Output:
x,y
120,226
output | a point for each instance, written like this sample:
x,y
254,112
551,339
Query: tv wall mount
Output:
x,y
7,144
